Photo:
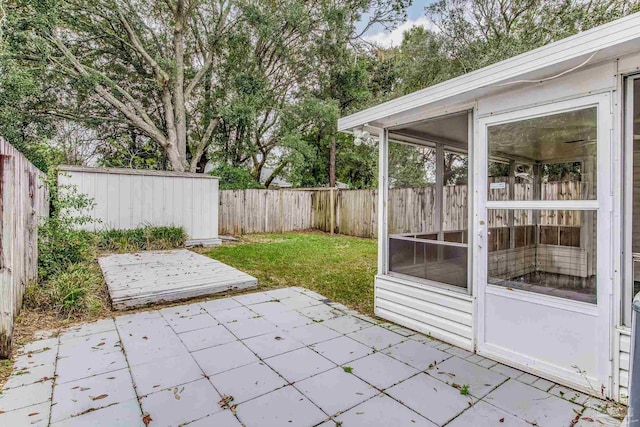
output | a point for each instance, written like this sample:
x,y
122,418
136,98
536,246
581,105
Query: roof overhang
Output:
x,y
606,42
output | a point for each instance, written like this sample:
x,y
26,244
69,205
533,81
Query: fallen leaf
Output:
x,y
146,419
588,419
501,420
101,344
225,401
32,414
145,338
102,396
278,338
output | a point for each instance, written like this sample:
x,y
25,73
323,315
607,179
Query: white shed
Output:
x,y
533,163
132,198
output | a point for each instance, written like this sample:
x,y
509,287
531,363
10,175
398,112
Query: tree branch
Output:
x,y
161,76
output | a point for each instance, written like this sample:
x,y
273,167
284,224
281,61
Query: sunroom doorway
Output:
x,y
428,202
543,253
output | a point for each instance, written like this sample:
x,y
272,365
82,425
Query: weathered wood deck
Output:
x,y
149,277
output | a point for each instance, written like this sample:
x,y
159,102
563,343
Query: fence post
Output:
x,y
281,211
332,205
7,296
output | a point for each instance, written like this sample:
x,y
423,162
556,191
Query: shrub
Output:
x,y
60,242
234,177
139,239
75,290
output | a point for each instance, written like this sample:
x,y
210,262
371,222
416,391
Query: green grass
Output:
x,y
341,268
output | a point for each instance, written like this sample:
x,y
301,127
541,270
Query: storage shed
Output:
x,y
131,198
533,165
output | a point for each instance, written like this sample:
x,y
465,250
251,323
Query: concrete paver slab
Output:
x,y
224,357
342,350
283,407
436,401
479,380
165,373
88,394
126,413
299,364
247,382
382,411
336,390
28,395
182,404
381,371
532,404
415,354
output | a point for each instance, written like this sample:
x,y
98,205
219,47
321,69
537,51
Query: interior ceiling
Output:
x,y
557,137
451,129
563,136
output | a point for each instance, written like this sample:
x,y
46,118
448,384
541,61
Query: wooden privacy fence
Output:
x,y
264,211
355,212
23,200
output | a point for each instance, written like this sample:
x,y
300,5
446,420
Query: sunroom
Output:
x,y
509,210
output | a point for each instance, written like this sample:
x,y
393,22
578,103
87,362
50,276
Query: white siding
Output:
x,y
126,199
623,372
443,314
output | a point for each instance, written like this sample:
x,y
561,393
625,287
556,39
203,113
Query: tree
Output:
x,y
420,61
296,67
477,33
145,64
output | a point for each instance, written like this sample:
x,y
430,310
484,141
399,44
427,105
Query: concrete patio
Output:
x,y
287,357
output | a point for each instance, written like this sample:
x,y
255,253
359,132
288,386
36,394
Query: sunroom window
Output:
x,y
550,160
428,201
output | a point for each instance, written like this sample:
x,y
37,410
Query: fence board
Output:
x,y
411,210
23,200
265,211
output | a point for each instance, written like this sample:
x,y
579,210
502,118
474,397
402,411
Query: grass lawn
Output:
x,y
341,268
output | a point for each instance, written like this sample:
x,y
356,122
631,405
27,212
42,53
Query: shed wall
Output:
x,y
126,199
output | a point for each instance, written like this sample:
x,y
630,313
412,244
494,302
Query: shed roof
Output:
x,y
598,44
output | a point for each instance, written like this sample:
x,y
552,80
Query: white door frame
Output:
x,y
604,208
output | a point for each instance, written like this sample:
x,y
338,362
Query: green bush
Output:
x,y
141,239
60,243
76,290
234,177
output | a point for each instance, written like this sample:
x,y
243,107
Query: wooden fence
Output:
x,y
355,212
264,211
351,212
23,200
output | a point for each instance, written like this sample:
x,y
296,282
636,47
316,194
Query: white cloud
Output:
x,y
394,37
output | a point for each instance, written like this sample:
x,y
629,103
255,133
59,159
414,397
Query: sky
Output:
x,y
415,16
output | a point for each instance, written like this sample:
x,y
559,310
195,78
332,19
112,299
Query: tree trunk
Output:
x,y
179,99
332,162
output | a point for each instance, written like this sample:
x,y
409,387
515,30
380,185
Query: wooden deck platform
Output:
x,y
157,276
